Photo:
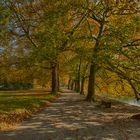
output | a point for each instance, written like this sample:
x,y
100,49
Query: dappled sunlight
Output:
x,y
70,117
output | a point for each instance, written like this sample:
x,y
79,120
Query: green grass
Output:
x,y
15,107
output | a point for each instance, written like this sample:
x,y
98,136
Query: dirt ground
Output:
x,y
72,118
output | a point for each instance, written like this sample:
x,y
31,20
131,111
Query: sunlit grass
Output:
x,y
16,106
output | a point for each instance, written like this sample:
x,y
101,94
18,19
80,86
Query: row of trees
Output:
x,y
87,40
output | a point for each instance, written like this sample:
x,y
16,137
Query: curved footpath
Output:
x,y
71,118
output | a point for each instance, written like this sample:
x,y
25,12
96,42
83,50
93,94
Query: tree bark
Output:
x,y
58,79
75,85
91,84
69,83
92,74
72,85
82,86
78,77
83,79
54,79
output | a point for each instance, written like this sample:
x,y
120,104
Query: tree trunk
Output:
x,y
58,82
78,77
75,85
58,79
72,85
91,84
92,74
82,86
54,79
69,82
78,85
83,79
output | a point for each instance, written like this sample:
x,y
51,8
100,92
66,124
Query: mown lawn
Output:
x,y
18,105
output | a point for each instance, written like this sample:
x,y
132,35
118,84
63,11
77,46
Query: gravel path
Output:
x,y
71,118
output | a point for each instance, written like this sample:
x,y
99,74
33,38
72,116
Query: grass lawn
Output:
x,y
18,105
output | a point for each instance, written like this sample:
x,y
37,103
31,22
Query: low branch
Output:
x,y
133,43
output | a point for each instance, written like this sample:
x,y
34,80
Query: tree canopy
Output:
x,y
91,45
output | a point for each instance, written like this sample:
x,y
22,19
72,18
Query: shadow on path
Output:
x,y
71,118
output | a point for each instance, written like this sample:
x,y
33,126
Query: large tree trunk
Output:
x,y
54,79
82,85
91,84
92,75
